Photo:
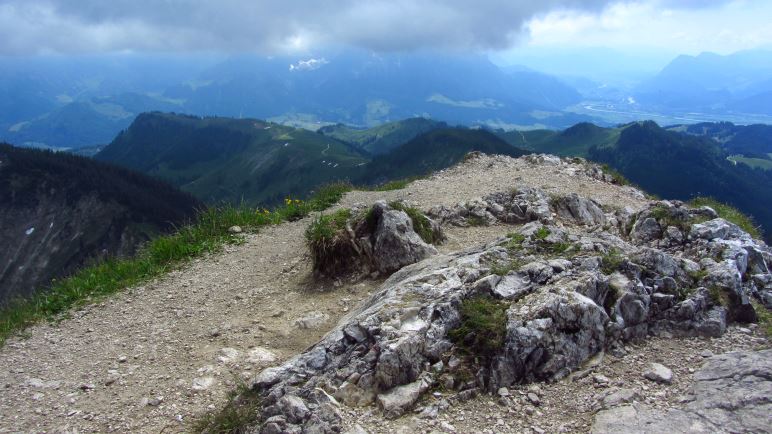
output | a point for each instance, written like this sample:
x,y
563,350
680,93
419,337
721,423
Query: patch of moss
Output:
x,y
483,327
515,242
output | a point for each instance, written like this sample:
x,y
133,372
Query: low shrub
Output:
x,y
483,327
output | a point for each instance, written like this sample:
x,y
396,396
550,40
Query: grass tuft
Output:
x,y
483,326
208,234
611,261
542,233
729,213
240,412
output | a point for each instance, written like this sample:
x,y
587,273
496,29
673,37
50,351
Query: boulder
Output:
x,y
396,242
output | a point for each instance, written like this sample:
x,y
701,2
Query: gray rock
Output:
x,y
556,316
732,393
619,397
659,373
579,210
396,401
716,229
396,243
512,286
646,230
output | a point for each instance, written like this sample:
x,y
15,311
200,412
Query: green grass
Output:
x,y
611,261
542,233
208,234
483,326
325,227
398,184
505,267
240,412
421,224
516,241
474,220
719,296
764,316
729,213
617,178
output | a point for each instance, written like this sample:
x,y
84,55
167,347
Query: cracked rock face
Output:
x,y
572,286
731,393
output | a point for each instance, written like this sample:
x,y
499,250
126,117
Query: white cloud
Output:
x,y
308,65
673,26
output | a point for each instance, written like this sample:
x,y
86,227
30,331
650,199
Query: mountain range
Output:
x,y
60,211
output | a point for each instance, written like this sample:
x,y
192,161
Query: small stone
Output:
x,y
621,396
202,383
235,230
260,356
228,355
503,392
601,379
744,330
534,399
447,427
155,402
659,374
122,359
313,320
86,386
706,353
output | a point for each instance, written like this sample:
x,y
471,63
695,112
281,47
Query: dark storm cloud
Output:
x,y
270,25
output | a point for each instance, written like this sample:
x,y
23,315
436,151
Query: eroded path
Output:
x,y
154,357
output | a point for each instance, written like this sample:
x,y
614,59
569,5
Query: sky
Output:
x,y
501,27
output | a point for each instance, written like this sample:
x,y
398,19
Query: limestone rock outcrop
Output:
x,y
572,284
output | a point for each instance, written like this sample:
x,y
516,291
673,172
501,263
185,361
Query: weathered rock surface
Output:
x,y
396,242
731,393
570,293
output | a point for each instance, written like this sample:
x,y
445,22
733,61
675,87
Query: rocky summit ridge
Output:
x,y
575,279
548,298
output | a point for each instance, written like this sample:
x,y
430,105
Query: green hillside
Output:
x,y
573,141
383,138
682,166
222,159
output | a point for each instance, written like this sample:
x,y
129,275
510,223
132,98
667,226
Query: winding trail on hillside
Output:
x,y
155,356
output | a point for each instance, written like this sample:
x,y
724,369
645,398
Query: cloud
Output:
x,y
280,26
267,25
308,65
